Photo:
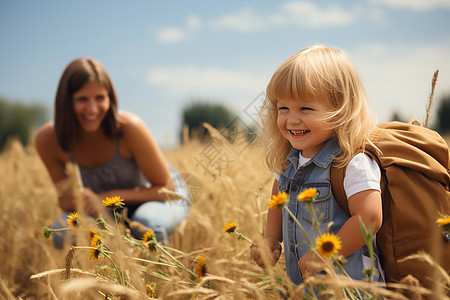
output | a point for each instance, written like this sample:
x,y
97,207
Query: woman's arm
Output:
x,y
139,143
54,160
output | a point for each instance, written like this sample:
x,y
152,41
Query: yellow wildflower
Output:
x,y
443,221
113,202
150,288
73,219
231,227
307,195
95,243
278,200
92,233
200,268
328,244
149,239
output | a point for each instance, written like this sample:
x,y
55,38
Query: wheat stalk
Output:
x,y
431,98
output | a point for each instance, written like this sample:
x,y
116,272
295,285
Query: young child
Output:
x,y
316,114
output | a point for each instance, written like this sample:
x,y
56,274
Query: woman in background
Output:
x,y
116,153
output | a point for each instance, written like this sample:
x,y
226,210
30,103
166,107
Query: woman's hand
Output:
x,y
92,203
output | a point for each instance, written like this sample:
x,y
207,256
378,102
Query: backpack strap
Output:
x,y
337,186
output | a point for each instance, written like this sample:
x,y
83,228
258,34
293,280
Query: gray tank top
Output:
x,y
119,173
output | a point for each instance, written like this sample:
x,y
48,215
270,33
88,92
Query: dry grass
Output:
x,y
238,191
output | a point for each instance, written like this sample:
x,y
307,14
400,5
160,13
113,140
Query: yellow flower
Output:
x,y
113,202
200,268
231,227
443,221
92,233
307,195
148,236
328,244
95,243
278,200
149,239
73,219
150,289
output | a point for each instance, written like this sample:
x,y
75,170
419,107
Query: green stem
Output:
x,y
119,273
180,265
240,235
299,225
116,221
315,221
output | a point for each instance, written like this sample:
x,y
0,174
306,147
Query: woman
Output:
x,y
116,153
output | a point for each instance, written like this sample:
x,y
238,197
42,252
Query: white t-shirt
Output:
x,y
362,174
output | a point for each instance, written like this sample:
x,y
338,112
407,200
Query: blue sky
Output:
x,y
162,55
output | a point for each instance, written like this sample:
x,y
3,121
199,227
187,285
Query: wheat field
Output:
x,y
235,187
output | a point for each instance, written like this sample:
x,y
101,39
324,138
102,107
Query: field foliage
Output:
x,y
228,183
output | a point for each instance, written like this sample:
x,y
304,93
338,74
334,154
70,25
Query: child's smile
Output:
x,y
302,124
299,132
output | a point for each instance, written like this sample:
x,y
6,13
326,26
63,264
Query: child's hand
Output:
x,y
274,247
310,264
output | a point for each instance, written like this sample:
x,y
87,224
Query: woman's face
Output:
x,y
91,104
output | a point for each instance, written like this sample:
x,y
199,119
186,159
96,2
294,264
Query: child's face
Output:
x,y
301,124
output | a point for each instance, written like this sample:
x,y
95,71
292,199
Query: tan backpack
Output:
x,y
415,184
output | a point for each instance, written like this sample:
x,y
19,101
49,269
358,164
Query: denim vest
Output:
x,y
315,173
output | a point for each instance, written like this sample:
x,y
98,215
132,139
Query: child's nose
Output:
x,y
294,119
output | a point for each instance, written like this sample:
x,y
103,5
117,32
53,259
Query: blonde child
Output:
x,y
315,115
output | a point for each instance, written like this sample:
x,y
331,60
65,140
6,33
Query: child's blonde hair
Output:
x,y
316,73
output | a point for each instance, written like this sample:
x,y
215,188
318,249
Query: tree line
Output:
x,y
17,119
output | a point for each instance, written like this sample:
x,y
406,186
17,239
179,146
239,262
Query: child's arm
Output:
x,y
274,234
366,204
274,219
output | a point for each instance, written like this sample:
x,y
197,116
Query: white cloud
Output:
x,y
192,81
398,78
193,22
244,20
171,35
309,14
415,5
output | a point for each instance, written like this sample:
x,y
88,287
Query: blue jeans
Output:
x,y
161,216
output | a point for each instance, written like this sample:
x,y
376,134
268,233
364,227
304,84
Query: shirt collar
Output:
x,y
321,159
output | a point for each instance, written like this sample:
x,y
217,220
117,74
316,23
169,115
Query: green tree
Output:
x,y
16,120
396,116
198,112
443,114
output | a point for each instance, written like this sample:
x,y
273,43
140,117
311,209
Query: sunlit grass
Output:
x,y
237,189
